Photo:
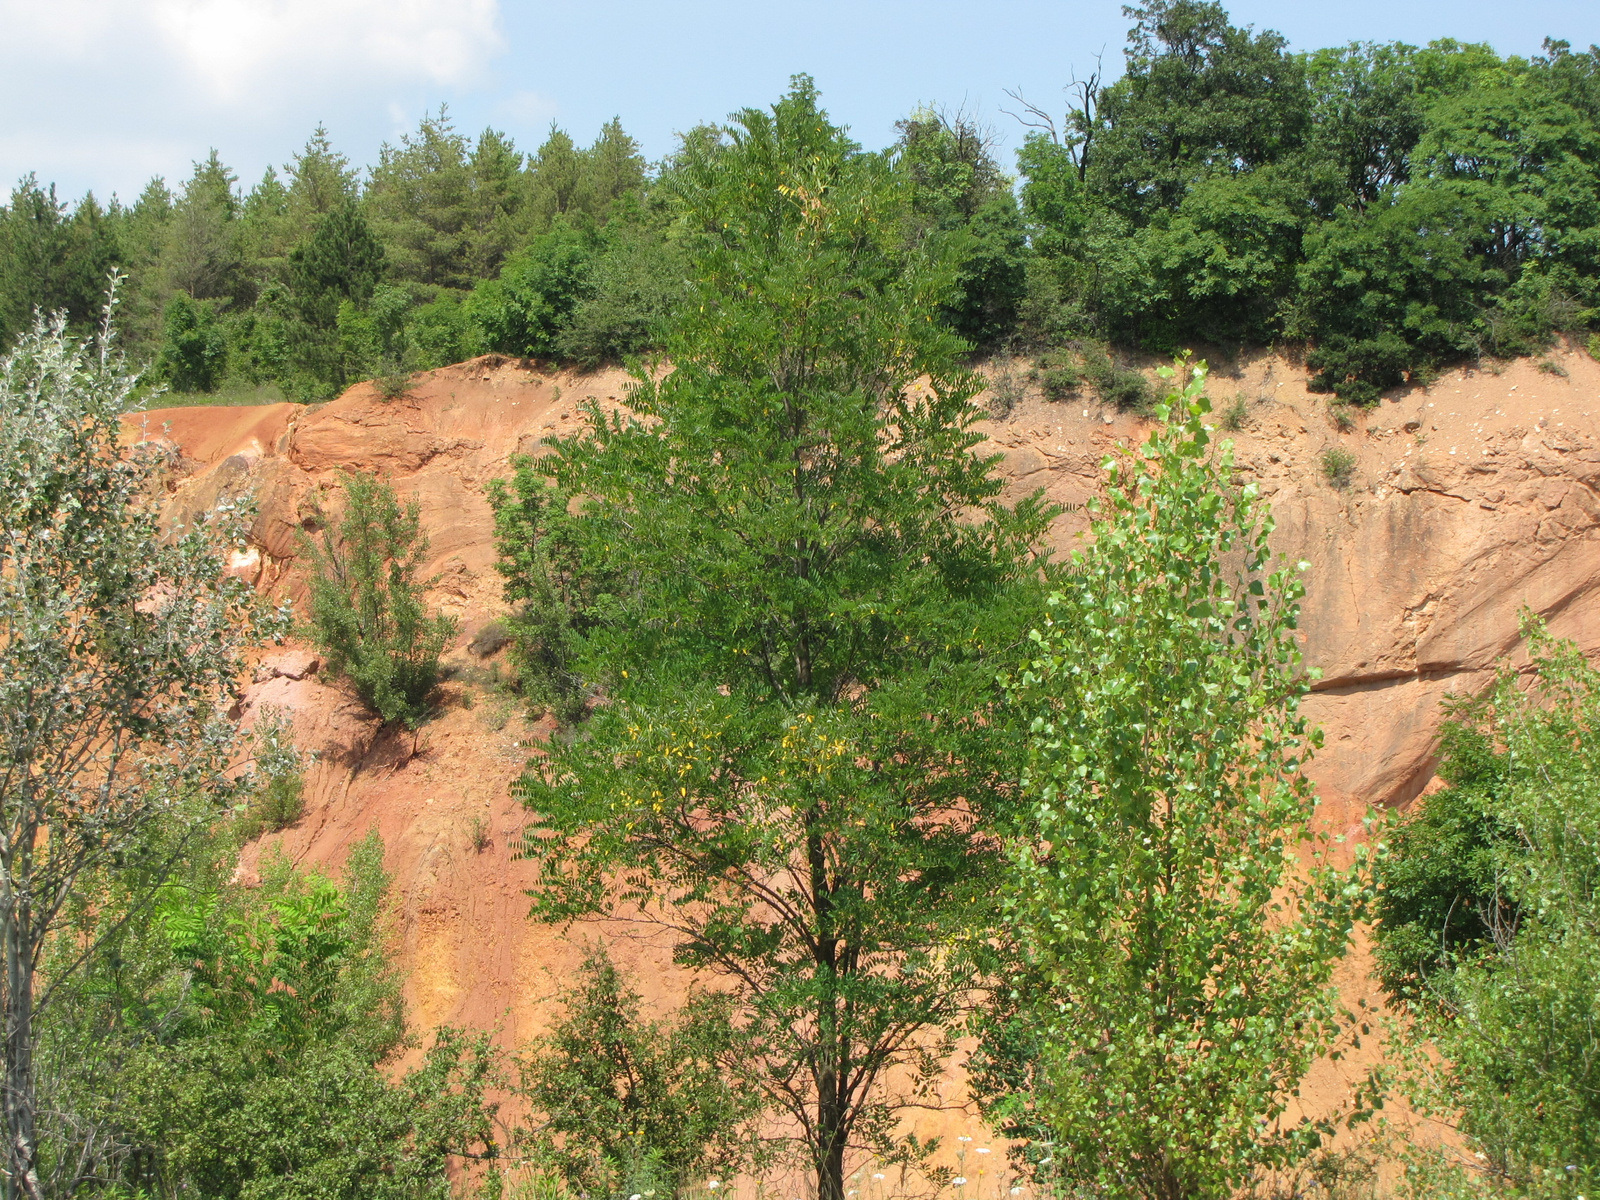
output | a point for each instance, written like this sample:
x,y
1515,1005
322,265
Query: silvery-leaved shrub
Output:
x,y
117,642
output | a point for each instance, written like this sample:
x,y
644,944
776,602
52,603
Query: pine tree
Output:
x,y
555,179
612,167
420,204
201,254
321,180
497,195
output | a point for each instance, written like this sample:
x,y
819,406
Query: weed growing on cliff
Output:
x,y
394,383
1338,465
1005,389
1058,374
1181,937
367,612
1237,414
1126,388
276,783
1593,346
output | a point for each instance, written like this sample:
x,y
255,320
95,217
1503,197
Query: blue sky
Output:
x,y
103,94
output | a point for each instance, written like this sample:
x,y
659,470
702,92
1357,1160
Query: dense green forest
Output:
x,y
1387,208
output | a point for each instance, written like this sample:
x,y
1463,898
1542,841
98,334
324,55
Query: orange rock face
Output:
x,y
1468,500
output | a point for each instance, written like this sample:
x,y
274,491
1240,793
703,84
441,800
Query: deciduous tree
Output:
x,y
1171,893
794,767
115,646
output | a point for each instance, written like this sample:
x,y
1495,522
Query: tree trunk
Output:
x,y
22,1175
830,1165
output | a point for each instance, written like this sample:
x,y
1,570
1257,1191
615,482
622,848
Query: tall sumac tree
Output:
x,y
115,643
794,767
1170,894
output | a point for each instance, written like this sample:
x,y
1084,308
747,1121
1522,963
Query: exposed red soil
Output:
x,y
1469,499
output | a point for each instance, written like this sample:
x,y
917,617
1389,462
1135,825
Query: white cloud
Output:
x,y
232,48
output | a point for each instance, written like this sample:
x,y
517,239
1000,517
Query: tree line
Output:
x,y
1385,208
1392,208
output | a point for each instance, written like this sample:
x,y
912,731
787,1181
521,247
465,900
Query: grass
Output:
x,y
229,395
1237,414
498,689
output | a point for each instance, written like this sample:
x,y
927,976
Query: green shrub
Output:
x,y
630,1105
367,613
1236,414
1594,346
1437,897
1337,466
1495,927
538,559
636,280
440,333
372,335
1360,370
1046,315
1057,374
525,310
1127,389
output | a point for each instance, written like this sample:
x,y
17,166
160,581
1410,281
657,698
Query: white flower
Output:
x,y
877,1174
983,1149
959,1180
714,1184
963,1138
1016,1191
636,1196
